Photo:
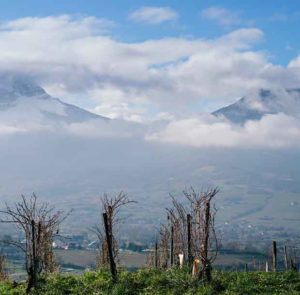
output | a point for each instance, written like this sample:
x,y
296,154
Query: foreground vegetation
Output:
x,y
172,281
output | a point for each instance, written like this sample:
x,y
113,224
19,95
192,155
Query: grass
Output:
x,y
173,281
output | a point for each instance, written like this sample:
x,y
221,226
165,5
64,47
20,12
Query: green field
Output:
x,y
173,281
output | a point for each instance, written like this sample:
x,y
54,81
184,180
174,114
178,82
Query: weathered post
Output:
x,y
34,259
172,246
286,264
196,268
205,261
108,234
254,264
294,260
246,267
274,256
3,274
32,273
181,259
293,265
267,266
156,255
189,235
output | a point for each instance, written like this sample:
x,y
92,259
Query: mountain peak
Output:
x,y
25,87
262,102
22,99
14,87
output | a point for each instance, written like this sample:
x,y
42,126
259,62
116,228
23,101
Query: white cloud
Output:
x,y
295,63
104,129
271,132
76,59
24,127
8,129
223,16
153,15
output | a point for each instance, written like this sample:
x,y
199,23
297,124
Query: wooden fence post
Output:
x,y
34,260
156,256
32,271
254,265
189,235
172,246
293,264
286,264
274,256
267,266
108,233
204,258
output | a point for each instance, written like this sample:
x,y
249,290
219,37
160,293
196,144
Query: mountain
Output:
x,y
260,103
22,99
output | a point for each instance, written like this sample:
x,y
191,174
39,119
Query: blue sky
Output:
x,y
279,20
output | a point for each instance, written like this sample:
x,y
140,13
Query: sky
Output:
x,y
278,19
145,61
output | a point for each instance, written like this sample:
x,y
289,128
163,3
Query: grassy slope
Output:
x,y
164,282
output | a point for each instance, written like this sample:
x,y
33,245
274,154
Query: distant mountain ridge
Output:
x,y
22,97
263,102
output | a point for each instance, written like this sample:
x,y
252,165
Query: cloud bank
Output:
x,y
77,59
278,131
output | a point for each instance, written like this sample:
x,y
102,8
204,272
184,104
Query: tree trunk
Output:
x,y
205,262
112,263
156,256
172,246
189,236
274,256
286,264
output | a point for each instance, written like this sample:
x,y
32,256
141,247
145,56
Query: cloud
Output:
x,y
221,15
110,129
24,127
7,129
77,59
272,132
295,63
153,15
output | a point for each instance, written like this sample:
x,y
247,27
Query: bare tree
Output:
x,y
160,254
110,207
163,246
205,242
178,221
39,224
